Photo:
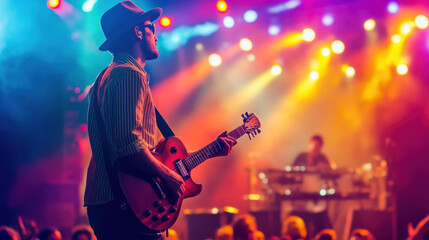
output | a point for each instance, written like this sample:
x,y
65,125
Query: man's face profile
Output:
x,y
149,41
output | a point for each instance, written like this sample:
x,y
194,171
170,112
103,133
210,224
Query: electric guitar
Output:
x,y
156,207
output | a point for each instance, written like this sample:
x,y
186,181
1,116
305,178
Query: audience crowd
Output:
x,y
244,227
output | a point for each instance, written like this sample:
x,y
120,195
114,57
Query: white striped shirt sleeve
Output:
x,y
129,92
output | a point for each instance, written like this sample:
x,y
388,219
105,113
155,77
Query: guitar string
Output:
x,y
193,156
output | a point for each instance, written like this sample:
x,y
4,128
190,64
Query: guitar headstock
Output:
x,y
251,124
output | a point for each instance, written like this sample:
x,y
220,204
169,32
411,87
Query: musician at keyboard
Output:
x,y
313,212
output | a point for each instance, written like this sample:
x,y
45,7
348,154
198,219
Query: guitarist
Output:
x,y
128,121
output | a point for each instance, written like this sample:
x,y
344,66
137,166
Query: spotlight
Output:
x,y
326,52
250,16
314,76
396,38
215,60
369,24
337,47
199,46
406,28
228,22
165,22
251,57
246,44
350,71
88,5
276,70
421,21
402,69
308,35
393,7
328,19
221,6
53,4
273,30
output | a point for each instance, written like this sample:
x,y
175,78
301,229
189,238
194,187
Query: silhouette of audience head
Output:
x,y
172,235
294,228
361,234
326,234
245,228
50,234
7,233
82,232
260,235
225,233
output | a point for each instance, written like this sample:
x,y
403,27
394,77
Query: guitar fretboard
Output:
x,y
210,150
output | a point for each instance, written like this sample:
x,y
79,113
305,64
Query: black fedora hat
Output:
x,y
120,18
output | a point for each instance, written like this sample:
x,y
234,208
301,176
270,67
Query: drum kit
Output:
x,y
310,183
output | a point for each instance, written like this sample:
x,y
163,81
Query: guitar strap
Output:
x,y
163,125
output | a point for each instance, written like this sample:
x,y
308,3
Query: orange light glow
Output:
x,y
165,21
54,3
181,89
221,6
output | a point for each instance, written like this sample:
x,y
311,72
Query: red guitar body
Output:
x,y
148,205
150,201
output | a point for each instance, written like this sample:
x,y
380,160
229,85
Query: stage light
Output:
x,y
171,40
396,38
221,6
402,69
199,46
88,5
337,47
314,76
276,70
291,4
215,210
421,21
328,19
369,24
326,52
308,35
53,4
215,60
350,71
393,7
228,22
83,127
406,28
323,192
246,44
165,22
273,30
250,16
251,57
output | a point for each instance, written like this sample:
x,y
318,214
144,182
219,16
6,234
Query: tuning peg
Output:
x,y
247,114
253,135
244,118
249,136
255,132
259,130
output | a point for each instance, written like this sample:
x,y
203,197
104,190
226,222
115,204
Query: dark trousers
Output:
x,y
110,222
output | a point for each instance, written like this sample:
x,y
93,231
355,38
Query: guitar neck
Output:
x,y
210,150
